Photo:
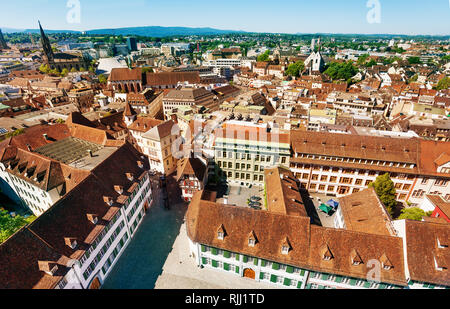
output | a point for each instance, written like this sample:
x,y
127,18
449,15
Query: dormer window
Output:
x,y
130,176
92,218
355,258
439,265
286,246
221,232
71,242
385,262
140,164
441,245
49,268
326,253
118,189
252,240
108,200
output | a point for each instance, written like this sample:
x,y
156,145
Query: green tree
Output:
x,y
341,71
102,79
371,63
414,213
44,68
9,225
264,57
64,72
73,70
443,84
414,78
385,189
414,60
295,69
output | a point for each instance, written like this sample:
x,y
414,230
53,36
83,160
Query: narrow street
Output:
x,y
143,260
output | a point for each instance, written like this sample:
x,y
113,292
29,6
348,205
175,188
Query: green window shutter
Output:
x,y
321,287
203,248
289,269
275,266
352,281
263,263
237,269
325,277
299,285
302,273
273,278
237,257
287,282
308,286
245,259
226,254
432,286
382,286
214,264
410,282
226,266
255,261
367,285
214,251
338,279
261,276
204,261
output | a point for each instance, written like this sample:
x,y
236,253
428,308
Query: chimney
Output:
x,y
71,242
49,268
92,218
90,153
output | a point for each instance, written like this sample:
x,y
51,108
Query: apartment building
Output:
x,y
77,242
157,144
281,247
340,164
242,150
351,103
200,98
83,98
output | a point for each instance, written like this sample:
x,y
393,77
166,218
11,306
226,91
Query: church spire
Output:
x,y
3,44
48,51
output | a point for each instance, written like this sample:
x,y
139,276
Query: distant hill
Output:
x,y
156,31
12,30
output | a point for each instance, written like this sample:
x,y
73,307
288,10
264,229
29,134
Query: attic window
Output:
x,y
252,239
326,253
130,176
140,164
438,265
108,200
363,147
118,189
71,242
440,245
92,218
221,232
286,246
356,258
49,268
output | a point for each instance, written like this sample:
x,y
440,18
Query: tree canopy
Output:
x,y
443,84
264,57
414,213
295,69
414,60
385,189
102,79
341,71
9,225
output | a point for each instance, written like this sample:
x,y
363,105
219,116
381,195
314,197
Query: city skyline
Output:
x,y
395,18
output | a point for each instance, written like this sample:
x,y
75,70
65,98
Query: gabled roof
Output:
x,y
422,249
192,167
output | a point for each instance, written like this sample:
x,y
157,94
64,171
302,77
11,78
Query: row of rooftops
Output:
x,y
39,255
283,234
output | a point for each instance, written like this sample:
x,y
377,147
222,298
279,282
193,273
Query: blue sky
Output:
x,y
286,16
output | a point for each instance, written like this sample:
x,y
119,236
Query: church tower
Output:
x,y
129,114
48,51
3,44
